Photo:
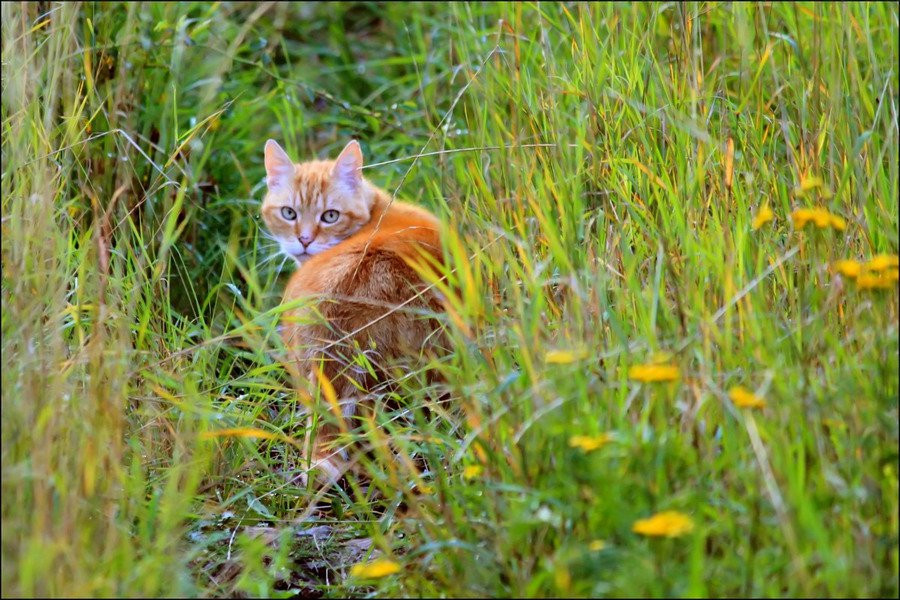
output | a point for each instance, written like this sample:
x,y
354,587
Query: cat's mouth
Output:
x,y
301,256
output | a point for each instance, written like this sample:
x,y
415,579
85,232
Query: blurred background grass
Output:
x,y
599,165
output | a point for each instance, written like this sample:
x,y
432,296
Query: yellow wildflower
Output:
x,y
589,442
867,281
561,357
848,268
764,215
650,373
879,273
807,184
375,569
472,471
801,217
668,523
881,262
744,398
426,489
597,545
837,222
819,216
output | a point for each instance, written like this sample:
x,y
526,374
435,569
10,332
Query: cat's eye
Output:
x,y
330,216
288,213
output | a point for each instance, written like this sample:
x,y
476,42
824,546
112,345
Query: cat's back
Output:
x,y
373,261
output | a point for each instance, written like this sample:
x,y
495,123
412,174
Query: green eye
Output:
x,y
288,213
330,216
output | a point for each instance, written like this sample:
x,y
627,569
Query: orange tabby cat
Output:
x,y
354,247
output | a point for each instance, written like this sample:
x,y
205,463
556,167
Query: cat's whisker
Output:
x,y
269,245
281,266
271,258
267,259
260,249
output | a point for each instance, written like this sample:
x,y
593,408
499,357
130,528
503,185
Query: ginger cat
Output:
x,y
354,246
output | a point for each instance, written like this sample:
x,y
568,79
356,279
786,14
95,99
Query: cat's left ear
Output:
x,y
348,166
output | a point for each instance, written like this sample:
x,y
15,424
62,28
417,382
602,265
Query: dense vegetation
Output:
x,y
605,172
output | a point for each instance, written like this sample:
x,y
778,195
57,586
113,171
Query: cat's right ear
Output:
x,y
348,165
279,168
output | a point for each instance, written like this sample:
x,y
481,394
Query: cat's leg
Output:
x,y
333,404
322,454
330,443
328,456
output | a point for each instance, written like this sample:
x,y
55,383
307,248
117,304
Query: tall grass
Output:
x,y
598,167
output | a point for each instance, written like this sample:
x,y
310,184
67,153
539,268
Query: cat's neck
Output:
x,y
380,204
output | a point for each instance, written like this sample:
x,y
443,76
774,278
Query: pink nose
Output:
x,y
306,240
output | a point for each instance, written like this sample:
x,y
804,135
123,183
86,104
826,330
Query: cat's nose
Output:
x,y
306,240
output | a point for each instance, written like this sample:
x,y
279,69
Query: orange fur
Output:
x,y
364,294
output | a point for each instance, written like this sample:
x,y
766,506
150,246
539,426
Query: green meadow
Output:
x,y
645,210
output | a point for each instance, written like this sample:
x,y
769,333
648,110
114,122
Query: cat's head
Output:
x,y
309,207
